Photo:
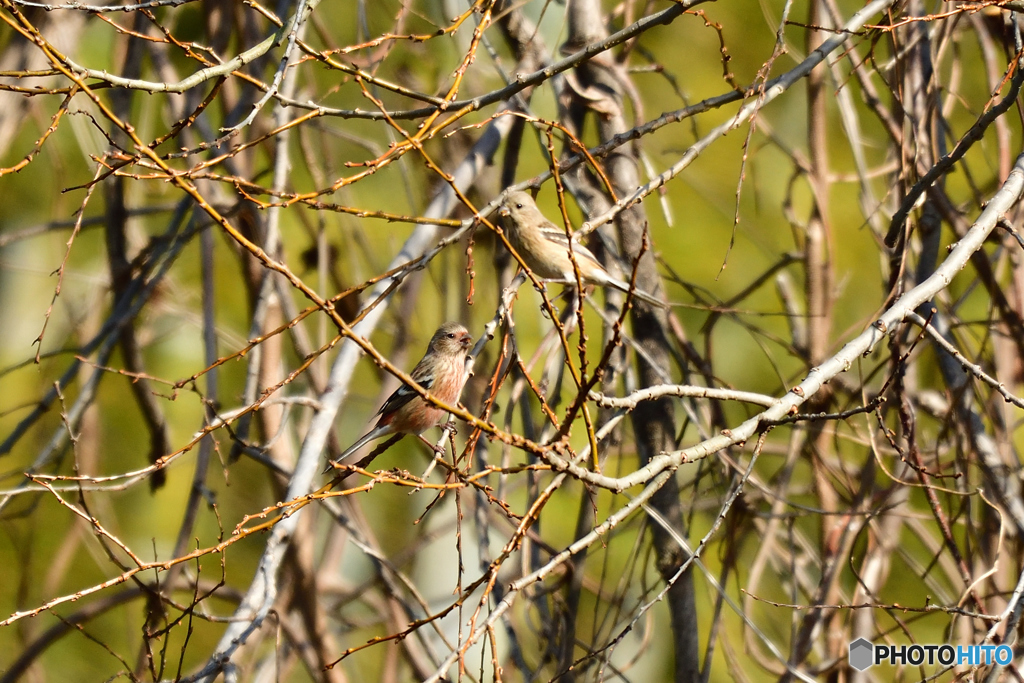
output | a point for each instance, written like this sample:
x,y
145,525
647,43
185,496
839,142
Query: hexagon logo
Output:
x,y
862,654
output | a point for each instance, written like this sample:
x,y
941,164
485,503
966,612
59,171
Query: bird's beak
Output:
x,y
466,341
503,211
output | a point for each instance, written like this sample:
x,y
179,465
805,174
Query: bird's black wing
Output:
x,y
404,394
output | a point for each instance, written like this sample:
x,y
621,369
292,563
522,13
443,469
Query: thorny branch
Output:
x,y
823,435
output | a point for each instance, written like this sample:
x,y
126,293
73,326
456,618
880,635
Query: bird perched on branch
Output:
x,y
441,371
544,247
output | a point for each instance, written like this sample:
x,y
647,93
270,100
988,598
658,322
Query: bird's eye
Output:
x,y
451,335
519,206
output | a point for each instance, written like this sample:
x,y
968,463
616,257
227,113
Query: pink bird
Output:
x,y
441,371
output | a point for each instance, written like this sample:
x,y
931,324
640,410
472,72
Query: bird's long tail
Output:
x,y
374,433
638,293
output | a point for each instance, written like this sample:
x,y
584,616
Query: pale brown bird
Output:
x,y
544,247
